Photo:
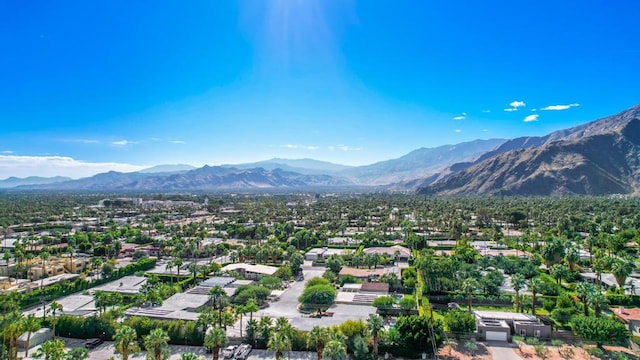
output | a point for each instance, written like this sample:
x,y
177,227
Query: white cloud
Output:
x,y
122,143
464,114
485,130
23,166
303,147
534,110
7,152
517,104
559,107
531,118
348,148
180,142
510,109
457,130
459,118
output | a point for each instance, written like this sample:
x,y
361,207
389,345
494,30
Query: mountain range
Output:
x,y
31,180
280,173
597,158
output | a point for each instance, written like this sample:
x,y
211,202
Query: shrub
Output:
x,y
600,330
460,322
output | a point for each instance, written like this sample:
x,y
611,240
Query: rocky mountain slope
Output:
x,y
419,163
597,158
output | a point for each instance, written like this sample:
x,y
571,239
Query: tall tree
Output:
x,y
54,307
44,256
597,301
215,339
621,269
156,344
126,341
468,286
217,295
375,326
335,350
518,282
279,343
534,286
318,336
583,292
31,325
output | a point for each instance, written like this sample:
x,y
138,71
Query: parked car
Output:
x,y
93,343
228,352
242,352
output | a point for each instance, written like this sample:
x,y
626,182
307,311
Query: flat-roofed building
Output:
x,y
520,324
402,252
252,272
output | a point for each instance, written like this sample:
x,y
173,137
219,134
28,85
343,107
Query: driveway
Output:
x,y
502,351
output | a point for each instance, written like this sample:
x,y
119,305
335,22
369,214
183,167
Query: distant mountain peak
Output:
x,y
169,168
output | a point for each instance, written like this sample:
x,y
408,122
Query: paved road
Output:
x,y
287,306
502,351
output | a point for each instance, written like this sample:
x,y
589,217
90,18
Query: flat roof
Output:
x,y
182,301
127,285
388,250
504,315
221,281
258,269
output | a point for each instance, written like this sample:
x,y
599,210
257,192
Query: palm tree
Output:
x,y
193,269
126,341
251,307
572,257
240,310
78,353
177,262
597,301
335,350
55,306
11,332
583,292
468,286
375,325
51,350
156,344
31,324
534,286
217,294
44,255
190,356
318,336
621,269
279,342
214,340
170,266
518,282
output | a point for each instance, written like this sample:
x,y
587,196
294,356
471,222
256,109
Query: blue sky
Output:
x,y
116,85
